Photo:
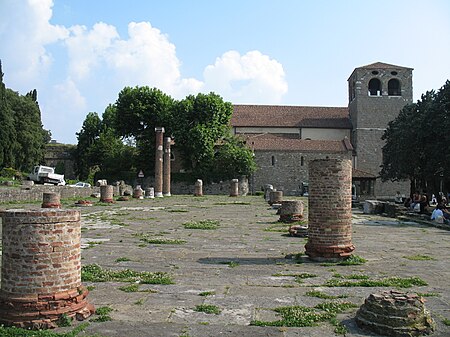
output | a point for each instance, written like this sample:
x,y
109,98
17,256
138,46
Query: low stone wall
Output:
x,y
34,193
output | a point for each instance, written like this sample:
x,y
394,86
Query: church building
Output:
x,y
285,138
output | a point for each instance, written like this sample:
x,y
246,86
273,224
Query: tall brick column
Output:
x,y
166,167
41,268
330,209
159,162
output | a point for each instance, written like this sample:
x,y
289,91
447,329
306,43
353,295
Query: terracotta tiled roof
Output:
x,y
288,143
362,174
378,65
290,116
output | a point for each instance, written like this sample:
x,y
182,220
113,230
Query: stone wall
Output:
x,y
8,194
287,172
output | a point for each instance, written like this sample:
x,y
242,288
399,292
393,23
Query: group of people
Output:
x,y
419,202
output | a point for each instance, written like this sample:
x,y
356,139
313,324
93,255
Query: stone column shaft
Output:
x,y
166,167
330,209
159,162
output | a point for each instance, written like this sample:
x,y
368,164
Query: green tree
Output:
x,y
201,121
233,159
30,135
89,133
418,142
137,112
7,129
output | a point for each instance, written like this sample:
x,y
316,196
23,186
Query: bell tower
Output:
x,y
377,92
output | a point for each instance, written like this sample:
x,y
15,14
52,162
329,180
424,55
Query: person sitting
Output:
x,y
423,203
415,199
438,214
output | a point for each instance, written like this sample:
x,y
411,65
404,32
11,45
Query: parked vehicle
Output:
x,y
80,184
46,174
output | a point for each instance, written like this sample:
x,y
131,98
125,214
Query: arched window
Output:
x,y
374,87
394,87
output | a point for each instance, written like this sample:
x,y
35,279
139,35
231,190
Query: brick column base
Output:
x,y
42,311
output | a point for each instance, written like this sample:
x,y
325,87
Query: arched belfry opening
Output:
x,y
394,87
374,87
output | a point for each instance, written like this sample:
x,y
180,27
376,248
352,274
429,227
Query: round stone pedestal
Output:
x,y
198,188
393,313
275,197
41,268
51,200
234,188
106,193
291,211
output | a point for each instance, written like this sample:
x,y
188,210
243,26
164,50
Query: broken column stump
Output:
x,y
234,187
41,268
275,197
330,210
397,314
291,211
198,188
51,200
106,193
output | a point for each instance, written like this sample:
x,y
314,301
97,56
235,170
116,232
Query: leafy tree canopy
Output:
x,y
418,142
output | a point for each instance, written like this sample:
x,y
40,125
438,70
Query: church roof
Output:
x,y
378,65
274,142
290,116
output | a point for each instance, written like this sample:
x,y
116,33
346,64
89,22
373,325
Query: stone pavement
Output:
x,y
246,263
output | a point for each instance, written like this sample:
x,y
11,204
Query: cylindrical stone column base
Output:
x,y
138,193
267,189
198,188
106,193
150,193
51,200
41,268
234,187
275,197
330,210
291,211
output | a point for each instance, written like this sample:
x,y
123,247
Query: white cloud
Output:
x,y
95,63
250,78
25,31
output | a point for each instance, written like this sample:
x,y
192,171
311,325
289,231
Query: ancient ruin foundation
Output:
x,y
291,211
41,268
159,162
166,167
393,313
330,209
198,188
51,200
234,187
275,197
106,193
138,192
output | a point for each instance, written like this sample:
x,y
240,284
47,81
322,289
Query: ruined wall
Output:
x,y
36,191
286,170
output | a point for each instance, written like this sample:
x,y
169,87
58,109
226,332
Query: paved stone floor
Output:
x,y
247,263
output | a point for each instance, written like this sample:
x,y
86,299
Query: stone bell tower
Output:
x,y
377,93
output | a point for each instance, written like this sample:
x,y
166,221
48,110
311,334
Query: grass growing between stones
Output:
x,y
232,203
320,294
208,309
102,314
353,260
158,241
399,282
19,332
419,257
202,224
300,316
123,259
207,293
428,294
446,321
95,273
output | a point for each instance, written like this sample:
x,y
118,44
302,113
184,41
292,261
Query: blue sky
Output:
x,y
79,54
